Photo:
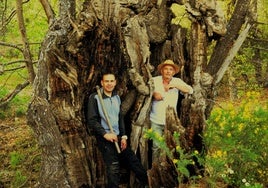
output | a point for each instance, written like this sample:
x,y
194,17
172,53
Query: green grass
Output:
x,y
20,156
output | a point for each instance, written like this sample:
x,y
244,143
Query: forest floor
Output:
x,y
19,154
20,157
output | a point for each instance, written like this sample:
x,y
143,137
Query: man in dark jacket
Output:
x,y
97,109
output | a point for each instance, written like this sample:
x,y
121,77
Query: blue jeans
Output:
x,y
157,128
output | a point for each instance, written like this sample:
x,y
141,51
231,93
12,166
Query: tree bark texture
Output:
x,y
130,38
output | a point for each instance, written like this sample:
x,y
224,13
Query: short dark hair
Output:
x,y
105,72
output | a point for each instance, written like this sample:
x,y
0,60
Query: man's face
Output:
x,y
167,71
108,82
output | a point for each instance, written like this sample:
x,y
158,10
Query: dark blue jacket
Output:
x,y
95,116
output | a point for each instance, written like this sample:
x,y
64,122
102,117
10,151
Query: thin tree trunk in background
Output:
x,y
257,62
26,47
232,85
256,59
48,10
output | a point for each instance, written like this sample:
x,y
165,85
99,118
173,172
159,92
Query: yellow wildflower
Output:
x,y
219,153
217,119
256,131
222,124
240,126
230,106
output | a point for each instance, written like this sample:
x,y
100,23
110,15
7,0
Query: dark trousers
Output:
x,y
113,160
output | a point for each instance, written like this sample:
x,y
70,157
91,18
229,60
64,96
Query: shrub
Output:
x,y
237,141
236,138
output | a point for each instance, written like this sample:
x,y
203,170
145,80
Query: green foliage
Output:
x,y
182,162
237,139
17,107
36,27
181,16
3,92
20,104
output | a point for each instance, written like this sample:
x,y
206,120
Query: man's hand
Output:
x,y
111,137
158,96
170,86
123,144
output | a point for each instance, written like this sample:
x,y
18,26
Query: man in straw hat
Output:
x,y
165,94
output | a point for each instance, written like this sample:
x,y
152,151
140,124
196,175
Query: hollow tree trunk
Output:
x,y
129,38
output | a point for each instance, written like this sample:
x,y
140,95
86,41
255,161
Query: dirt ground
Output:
x,y
19,154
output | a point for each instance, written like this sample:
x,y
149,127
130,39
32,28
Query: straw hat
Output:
x,y
168,62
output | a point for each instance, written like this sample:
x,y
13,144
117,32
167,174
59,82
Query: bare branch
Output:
x,y
14,62
48,10
257,39
6,21
11,95
17,68
3,69
259,48
11,45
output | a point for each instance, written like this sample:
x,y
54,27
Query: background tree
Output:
x,y
19,49
249,69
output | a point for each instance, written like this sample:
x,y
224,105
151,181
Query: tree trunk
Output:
x,y
130,39
225,44
26,48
